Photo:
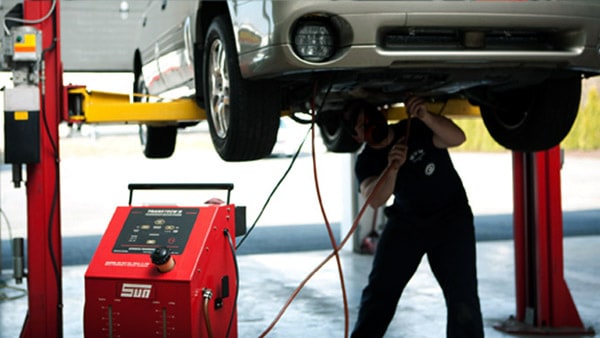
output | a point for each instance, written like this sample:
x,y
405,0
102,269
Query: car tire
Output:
x,y
243,115
336,137
158,141
532,119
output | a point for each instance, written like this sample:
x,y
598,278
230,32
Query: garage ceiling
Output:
x,y
96,36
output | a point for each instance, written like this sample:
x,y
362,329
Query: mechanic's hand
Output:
x,y
215,200
397,155
415,107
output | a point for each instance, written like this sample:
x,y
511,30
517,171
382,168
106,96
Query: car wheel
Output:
x,y
158,141
532,119
336,137
243,116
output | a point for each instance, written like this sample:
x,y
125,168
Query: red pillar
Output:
x,y
544,302
44,268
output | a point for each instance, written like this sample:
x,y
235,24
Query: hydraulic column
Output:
x,y
44,267
543,300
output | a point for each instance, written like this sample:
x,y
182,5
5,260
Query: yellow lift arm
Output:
x,y
452,108
104,107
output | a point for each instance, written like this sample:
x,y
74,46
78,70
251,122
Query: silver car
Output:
x,y
248,61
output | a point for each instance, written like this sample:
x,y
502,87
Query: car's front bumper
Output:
x,y
385,34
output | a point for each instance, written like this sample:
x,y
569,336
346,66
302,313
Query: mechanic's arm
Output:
x,y
446,134
396,158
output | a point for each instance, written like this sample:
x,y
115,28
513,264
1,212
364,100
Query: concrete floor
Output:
x,y
290,241
267,281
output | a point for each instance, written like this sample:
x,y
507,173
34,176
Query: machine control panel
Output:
x,y
146,229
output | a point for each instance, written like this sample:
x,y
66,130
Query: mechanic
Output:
x,y
430,214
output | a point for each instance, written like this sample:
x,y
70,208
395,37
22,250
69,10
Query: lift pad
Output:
x,y
126,294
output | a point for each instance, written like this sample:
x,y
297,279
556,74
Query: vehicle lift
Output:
x,y
146,278
38,104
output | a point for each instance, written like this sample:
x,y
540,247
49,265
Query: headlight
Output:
x,y
314,41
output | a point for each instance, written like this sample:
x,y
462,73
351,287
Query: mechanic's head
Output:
x,y
365,122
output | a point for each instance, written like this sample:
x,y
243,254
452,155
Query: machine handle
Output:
x,y
180,186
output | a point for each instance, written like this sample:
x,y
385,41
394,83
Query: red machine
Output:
x,y
164,272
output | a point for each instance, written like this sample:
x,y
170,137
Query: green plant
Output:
x,y
585,134
478,138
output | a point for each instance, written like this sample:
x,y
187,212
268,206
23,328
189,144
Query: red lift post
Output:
x,y
544,304
44,268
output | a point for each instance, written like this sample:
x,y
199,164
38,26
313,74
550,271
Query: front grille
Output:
x,y
436,39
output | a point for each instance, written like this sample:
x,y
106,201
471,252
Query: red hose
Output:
x,y
336,248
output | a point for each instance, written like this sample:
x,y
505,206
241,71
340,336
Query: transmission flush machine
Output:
x,y
165,271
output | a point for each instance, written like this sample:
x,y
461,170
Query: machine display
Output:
x,y
128,294
149,228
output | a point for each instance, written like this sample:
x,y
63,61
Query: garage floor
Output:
x,y
267,281
290,239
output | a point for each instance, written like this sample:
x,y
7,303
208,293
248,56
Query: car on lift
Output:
x,y
245,62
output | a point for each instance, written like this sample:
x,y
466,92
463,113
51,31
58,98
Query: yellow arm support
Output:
x,y
452,107
105,107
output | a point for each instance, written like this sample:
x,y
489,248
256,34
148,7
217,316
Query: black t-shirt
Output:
x,y
427,184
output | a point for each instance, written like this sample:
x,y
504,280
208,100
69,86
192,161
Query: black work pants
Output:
x,y
450,247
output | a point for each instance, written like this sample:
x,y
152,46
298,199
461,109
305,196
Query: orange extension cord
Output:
x,y
336,248
331,255
207,295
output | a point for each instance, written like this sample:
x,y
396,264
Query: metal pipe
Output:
x,y
18,260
